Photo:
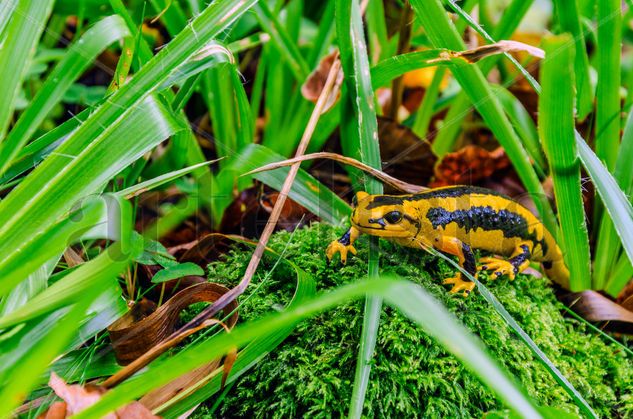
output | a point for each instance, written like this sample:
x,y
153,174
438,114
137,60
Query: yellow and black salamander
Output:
x,y
455,220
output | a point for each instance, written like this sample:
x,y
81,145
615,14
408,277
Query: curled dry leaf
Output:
x,y
136,333
77,398
313,86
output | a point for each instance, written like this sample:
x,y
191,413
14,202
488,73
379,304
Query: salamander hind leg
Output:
x,y
343,245
519,260
466,259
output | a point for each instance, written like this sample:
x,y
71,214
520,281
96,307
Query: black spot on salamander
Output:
x,y
518,260
469,259
345,239
382,200
548,265
511,224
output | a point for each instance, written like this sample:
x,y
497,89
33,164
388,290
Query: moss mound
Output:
x,y
312,372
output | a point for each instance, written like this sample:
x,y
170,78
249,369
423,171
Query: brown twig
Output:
x,y
382,176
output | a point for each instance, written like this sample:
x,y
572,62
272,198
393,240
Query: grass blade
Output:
x,y
608,246
405,296
615,201
78,58
608,88
510,20
22,31
556,128
363,130
524,125
426,110
150,184
569,19
45,342
282,41
59,182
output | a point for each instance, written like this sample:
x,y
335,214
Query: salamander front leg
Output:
x,y
466,259
343,245
519,260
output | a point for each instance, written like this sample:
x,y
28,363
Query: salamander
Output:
x,y
455,220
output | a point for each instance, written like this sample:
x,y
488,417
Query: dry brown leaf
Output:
x,y
77,398
229,361
595,307
313,86
134,334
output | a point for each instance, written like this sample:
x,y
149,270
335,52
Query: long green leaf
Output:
x,y
615,201
556,127
569,18
213,20
608,88
524,125
623,174
79,56
38,149
19,38
42,344
159,181
282,41
404,295
47,339
39,250
363,128
70,174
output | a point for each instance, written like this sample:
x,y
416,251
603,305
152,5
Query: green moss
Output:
x,y
312,372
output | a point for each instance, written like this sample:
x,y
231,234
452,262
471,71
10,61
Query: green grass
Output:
x,y
556,129
360,129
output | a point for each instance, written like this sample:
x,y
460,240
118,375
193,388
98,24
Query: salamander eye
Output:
x,y
393,217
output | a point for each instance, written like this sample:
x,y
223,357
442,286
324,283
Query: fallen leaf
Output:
x,y
313,86
133,335
595,307
79,397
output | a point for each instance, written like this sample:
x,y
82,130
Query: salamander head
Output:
x,y
382,215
